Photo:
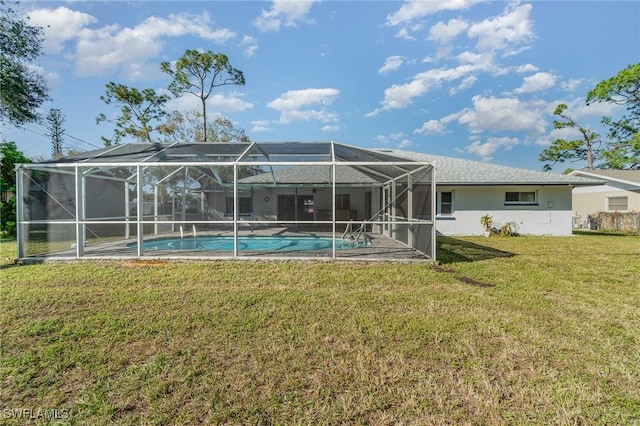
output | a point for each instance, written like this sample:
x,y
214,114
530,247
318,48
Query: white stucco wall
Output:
x,y
551,216
265,201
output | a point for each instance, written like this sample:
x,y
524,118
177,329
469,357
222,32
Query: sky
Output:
x,y
470,79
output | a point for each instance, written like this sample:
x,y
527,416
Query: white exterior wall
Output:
x,y
551,216
268,210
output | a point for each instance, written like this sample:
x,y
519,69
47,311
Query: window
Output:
x,y
523,198
617,204
445,203
244,206
343,202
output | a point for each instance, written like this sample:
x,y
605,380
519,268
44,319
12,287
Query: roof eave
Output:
x,y
530,183
608,178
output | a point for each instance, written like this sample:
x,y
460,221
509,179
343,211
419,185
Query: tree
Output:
x,y
9,157
139,109
22,89
585,149
199,73
623,151
55,121
187,127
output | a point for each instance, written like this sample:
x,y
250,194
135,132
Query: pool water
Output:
x,y
249,243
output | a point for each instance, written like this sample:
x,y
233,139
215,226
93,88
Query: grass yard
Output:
x,y
526,330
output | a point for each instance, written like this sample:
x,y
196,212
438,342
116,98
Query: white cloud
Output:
x,y
294,99
537,82
432,127
443,33
483,61
381,139
284,12
330,128
110,50
526,68
437,126
566,133
599,109
392,63
113,49
467,83
505,114
231,102
320,115
52,78
295,105
583,113
59,25
250,45
401,95
416,9
404,33
487,149
260,126
176,25
219,102
505,34
399,137
571,85
509,32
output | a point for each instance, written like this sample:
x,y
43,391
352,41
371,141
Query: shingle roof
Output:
x,y
311,175
627,176
455,171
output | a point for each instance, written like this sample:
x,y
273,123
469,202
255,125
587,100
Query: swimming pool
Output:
x,y
247,243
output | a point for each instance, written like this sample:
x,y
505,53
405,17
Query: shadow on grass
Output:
x,y
605,233
451,250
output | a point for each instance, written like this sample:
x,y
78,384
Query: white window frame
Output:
x,y
439,204
241,201
519,202
619,197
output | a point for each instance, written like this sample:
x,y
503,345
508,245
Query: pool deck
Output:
x,y
381,249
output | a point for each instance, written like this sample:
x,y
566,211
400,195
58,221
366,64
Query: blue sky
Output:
x,y
465,78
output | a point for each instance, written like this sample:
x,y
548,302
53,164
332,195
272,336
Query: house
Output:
x,y
143,192
538,203
619,192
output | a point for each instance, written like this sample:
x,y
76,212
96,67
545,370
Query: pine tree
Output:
x,y
55,121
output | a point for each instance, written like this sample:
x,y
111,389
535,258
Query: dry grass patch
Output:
x,y
554,341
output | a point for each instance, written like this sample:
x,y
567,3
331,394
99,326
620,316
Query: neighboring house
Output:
x,y
620,192
539,203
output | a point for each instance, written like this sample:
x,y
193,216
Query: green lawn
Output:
x,y
526,330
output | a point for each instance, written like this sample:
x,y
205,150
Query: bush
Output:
x,y
615,221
